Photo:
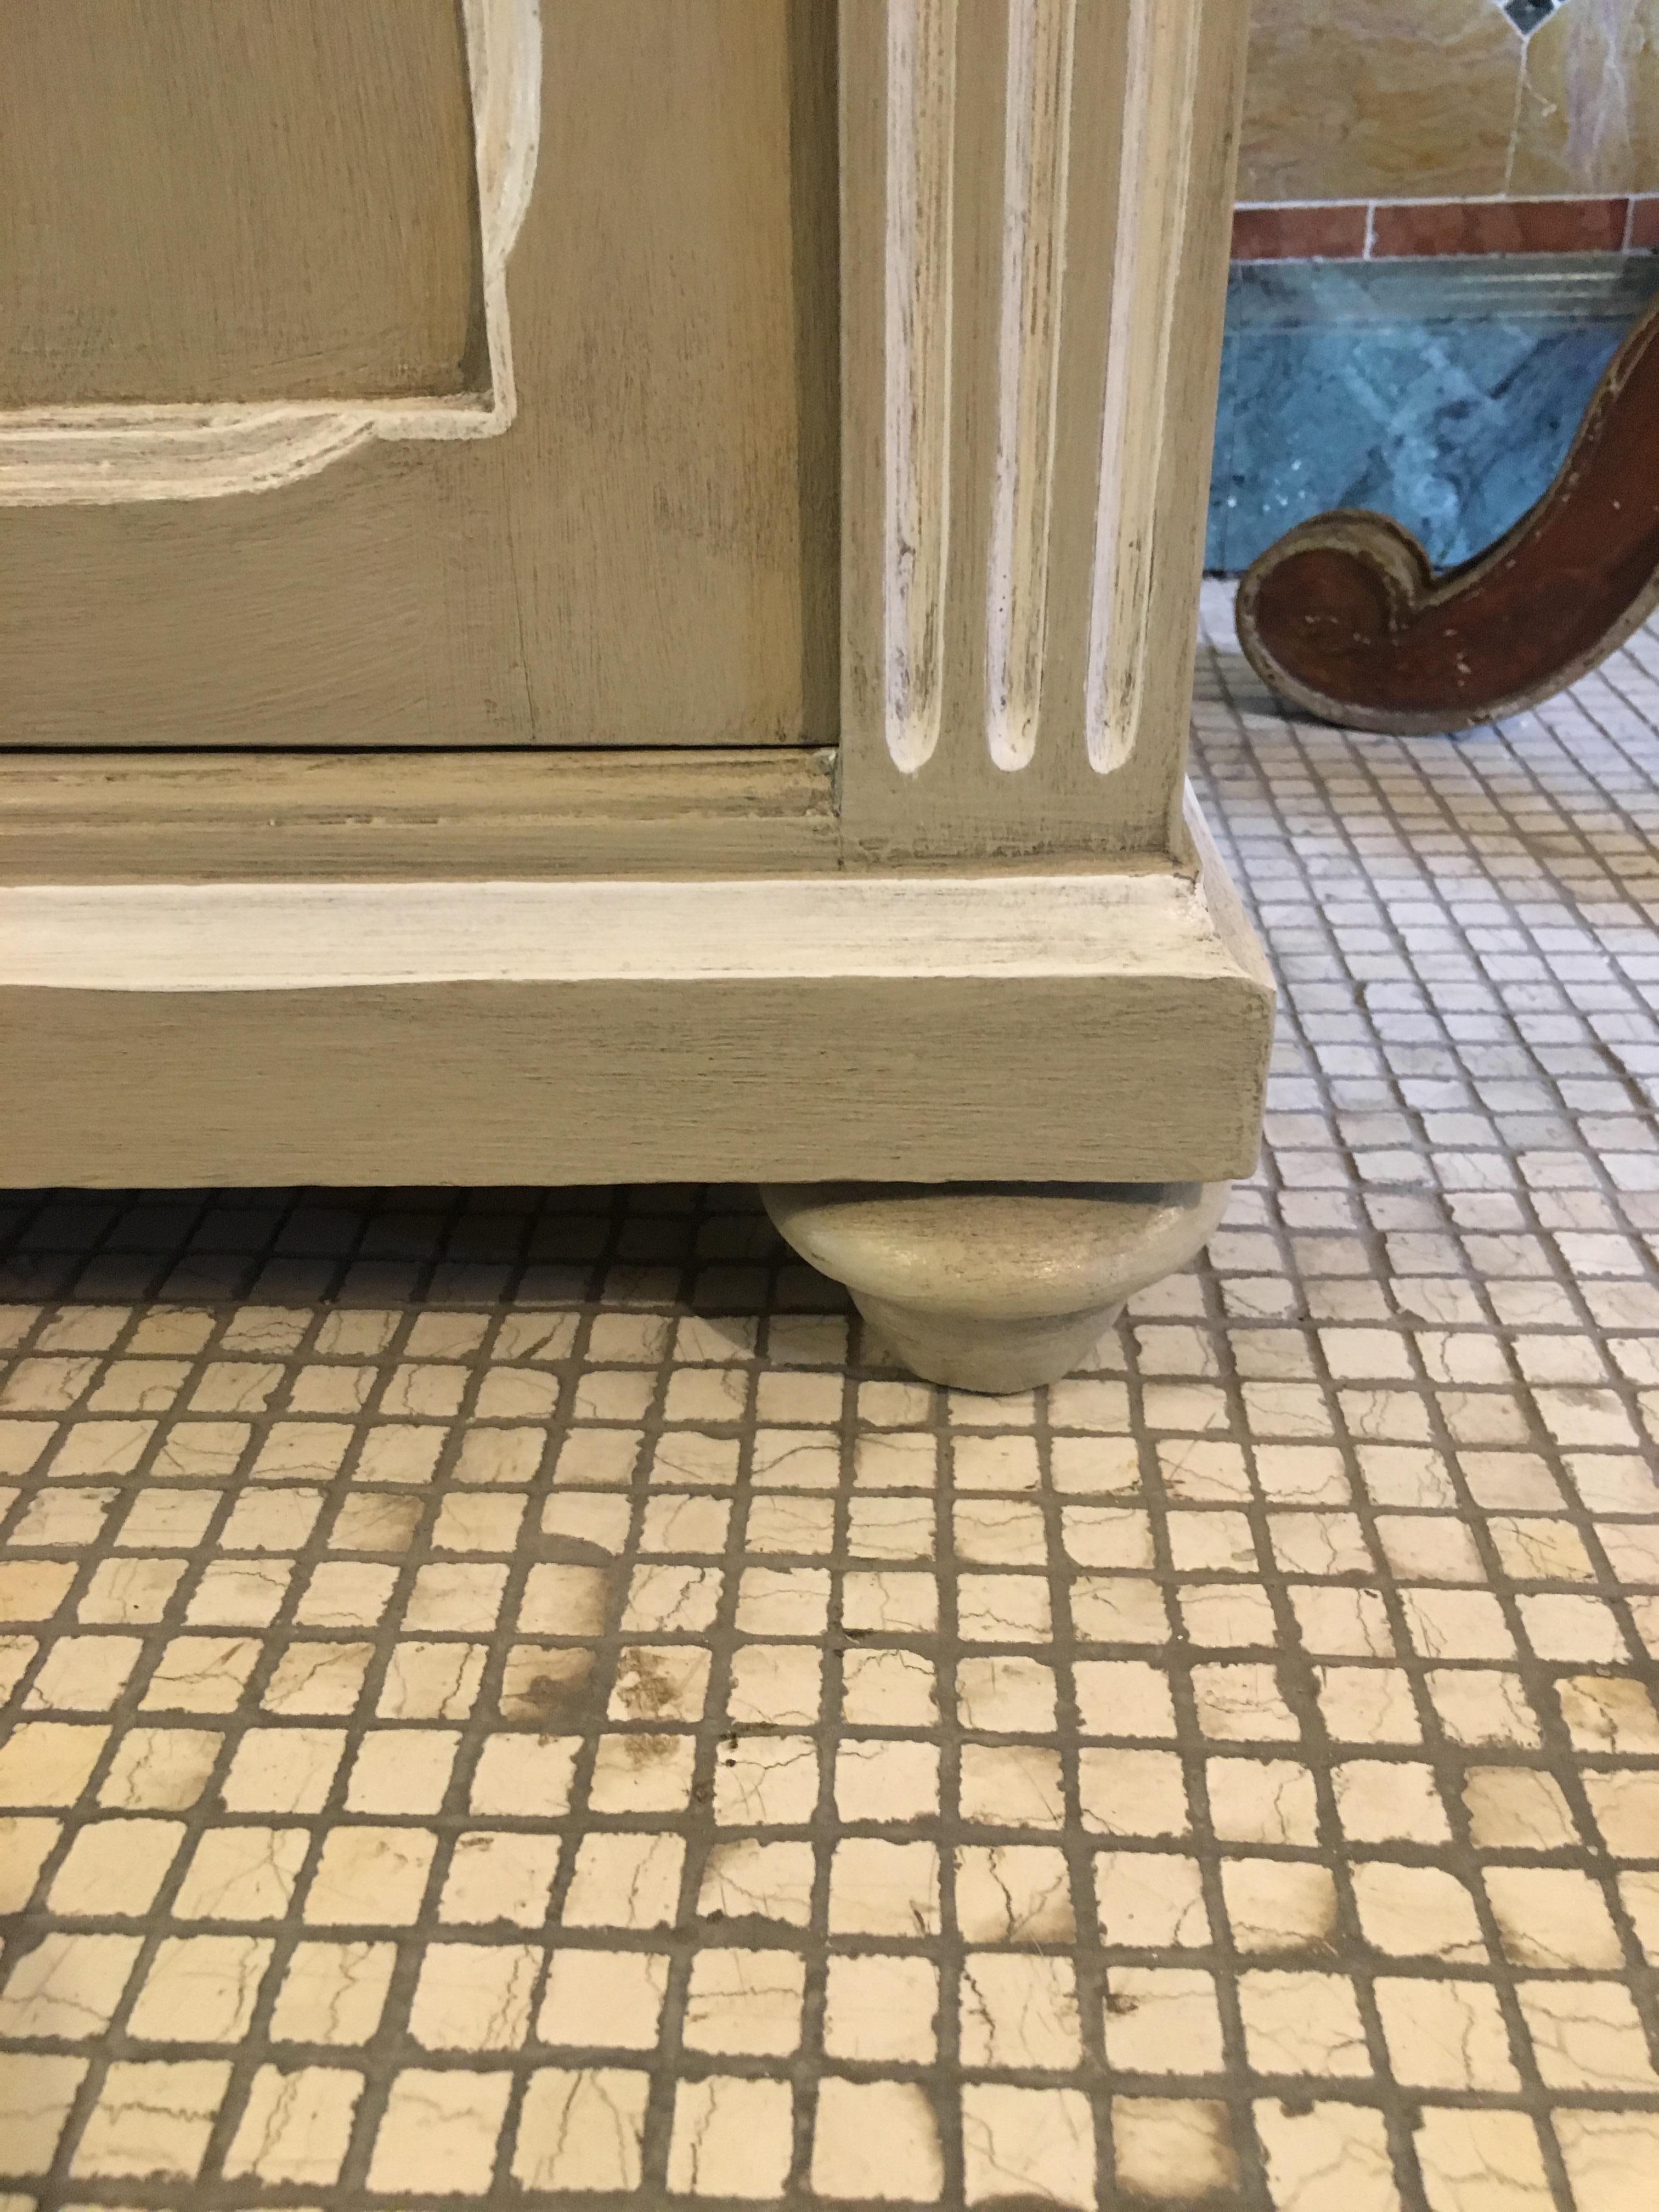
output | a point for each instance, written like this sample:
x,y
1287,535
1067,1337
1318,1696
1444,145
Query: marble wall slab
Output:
x,y
1443,393
1366,100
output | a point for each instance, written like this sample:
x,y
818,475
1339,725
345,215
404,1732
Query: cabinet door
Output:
x,y
381,373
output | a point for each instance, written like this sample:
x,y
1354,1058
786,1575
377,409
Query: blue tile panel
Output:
x,y
1443,393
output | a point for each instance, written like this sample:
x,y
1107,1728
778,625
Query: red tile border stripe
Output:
x,y
1356,230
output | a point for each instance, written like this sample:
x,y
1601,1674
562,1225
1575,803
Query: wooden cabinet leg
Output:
x,y
995,1287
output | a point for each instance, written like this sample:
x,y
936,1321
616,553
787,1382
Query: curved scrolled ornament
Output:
x,y
1344,617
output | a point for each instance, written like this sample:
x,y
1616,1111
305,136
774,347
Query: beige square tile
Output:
x,y
881,1888
1019,2011
153,2117
893,1602
1212,1542
1445,2034
345,1594
1162,2019
474,1996
784,1522
1587,2035
295,2127
892,1527
1028,2144
83,1674
549,1684
200,1989
113,1869
685,1459
158,1770
1388,1800
745,2002
749,1879
48,1762
1007,1463
783,1399
886,1779
1417,1911
309,1451
599,1457
582,2129
431,1682
244,1873
783,1602
205,1451
1342,1623
662,1682
1516,1809
17,1652
282,1770
317,1677
625,1881
1149,1900
1316,1542
1481,1705
35,2097
880,2009
667,1599
1005,1695
1124,1697
1582,1629
67,1988
499,1874
275,1520
120,1591
1102,1466
766,1782
1553,1917
1242,1702
1012,1532
606,2000
1204,1471
1610,1713
333,1993
1014,1785
876,2140
1464,2153
236,1593
1625,1803
26,1843
1302,2023
1277,1906
401,1770
465,1597
1456,1624
731,2137
794,1459
884,1688
1325,2157
1368,1704
526,1776
1011,1608
439,2132
683,1526
1261,1801
1131,1793
642,1772
1228,1616
61,1519
511,1457
1118,1609
775,1684
469,1520
1609,2156
370,1877
400,1452
160,1520
576,1517
375,1521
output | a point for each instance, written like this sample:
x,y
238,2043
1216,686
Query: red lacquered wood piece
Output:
x,y
1344,618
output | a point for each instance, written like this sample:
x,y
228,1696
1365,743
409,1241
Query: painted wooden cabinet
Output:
x,y
604,591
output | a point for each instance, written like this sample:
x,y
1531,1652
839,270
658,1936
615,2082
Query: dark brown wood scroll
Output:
x,y
1344,618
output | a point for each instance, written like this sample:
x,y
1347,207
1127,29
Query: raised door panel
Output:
x,y
608,519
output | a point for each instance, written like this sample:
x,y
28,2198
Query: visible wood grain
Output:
x,y
236,202
187,818
1092,154
940,1029
1345,617
647,557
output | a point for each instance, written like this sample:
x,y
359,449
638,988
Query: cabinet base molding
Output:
x,y
1110,1027
995,1287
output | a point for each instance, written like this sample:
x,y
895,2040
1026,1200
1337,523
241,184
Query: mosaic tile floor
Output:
x,y
500,1709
